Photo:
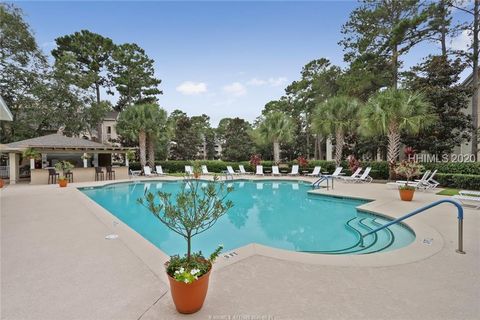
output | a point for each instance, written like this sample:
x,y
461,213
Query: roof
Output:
x,y
468,80
5,113
58,141
111,115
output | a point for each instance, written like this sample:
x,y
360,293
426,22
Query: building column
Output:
x,y
329,150
126,159
95,159
13,162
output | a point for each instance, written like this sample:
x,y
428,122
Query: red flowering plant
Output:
x,y
302,162
255,160
353,163
409,153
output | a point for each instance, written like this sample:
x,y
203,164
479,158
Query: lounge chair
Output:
x,y
242,170
205,169
468,198
294,170
364,178
430,183
425,183
135,173
353,176
159,170
315,172
147,171
259,171
231,171
275,171
188,170
336,173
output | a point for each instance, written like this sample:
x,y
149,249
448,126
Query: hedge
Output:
x,y
460,181
450,174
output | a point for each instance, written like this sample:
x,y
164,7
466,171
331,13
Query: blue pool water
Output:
x,y
279,214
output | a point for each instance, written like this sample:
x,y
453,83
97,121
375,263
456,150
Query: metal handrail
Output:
x,y
431,205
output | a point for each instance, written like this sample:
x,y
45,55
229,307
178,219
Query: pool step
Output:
x,y
372,243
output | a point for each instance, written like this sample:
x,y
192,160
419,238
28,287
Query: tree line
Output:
x,y
367,109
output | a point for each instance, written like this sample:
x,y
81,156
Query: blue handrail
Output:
x,y
431,205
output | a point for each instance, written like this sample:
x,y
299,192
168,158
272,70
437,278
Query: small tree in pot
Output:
x,y
32,154
407,169
63,167
194,210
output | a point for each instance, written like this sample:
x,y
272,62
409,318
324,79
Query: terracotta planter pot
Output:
x,y
62,183
406,194
196,175
1,183
189,298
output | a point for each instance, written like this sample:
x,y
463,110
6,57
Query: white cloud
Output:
x,y
236,89
256,82
273,82
462,42
192,88
48,44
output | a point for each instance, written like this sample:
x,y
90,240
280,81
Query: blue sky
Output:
x,y
224,59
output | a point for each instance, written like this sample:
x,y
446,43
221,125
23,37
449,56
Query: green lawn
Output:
x,y
448,192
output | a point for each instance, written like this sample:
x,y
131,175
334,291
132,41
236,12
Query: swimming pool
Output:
x,y
280,214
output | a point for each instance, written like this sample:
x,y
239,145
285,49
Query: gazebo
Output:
x,y
84,154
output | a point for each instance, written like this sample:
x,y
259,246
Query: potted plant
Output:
x,y
85,158
63,167
407,169
192,211
197,171
32,154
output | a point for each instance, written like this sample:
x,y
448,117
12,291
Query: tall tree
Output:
x,y
22,66
387,28
275,128
139,122
238,145
437,77
186,138
318,82
133,75
201,125
83,58
337,116
392,112
472,57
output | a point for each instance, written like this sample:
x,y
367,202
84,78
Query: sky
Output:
x,y
224,59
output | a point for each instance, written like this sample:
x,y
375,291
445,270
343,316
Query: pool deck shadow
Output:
x,y
56,264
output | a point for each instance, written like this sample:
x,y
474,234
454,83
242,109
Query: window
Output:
x,y
109,130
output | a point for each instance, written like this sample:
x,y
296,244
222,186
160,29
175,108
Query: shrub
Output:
x,y
460,181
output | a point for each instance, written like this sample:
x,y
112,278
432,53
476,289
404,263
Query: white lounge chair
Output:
x,y
431,183
364,178
259,171
275,171
418,184
135,173
147,171
353,176
294,170
468,198
231,171
315,172
242,170
188,170
336,173
159,170
205,169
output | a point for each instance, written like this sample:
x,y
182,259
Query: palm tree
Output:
x,y
336,116
141,122
392,112
276,127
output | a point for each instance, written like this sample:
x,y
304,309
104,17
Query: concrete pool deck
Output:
x,y
56,264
